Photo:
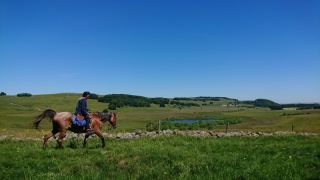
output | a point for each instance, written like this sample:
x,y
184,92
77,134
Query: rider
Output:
x,y
82,109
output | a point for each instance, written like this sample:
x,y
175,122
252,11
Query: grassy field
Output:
x,y
178,157
18,112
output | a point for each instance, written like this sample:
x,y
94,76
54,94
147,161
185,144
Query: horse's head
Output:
x,y
113,120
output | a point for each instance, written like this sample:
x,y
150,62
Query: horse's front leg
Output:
x,y
98,133
85,140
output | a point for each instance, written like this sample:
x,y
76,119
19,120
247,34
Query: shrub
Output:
x,y
112,107
152,126
210,126
194,126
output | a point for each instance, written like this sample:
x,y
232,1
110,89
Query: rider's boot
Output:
x,y
88,128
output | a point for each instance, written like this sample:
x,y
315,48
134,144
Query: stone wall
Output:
x,y
139,134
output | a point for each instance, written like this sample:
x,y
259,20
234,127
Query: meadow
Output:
x,y
175,157
178,157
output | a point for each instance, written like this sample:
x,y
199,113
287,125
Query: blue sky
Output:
x,y
245,49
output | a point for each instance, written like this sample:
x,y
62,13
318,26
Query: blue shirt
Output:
x,y
82,107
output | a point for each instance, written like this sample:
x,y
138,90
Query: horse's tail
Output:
x,y
49,113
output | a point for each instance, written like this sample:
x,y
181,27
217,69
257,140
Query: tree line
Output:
x,y
302,106
203,98
122,100
275,106
178,103
24,95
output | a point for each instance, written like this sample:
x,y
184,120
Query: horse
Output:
x,y
62,121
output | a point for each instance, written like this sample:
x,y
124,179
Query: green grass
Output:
x,y
176,157
18,112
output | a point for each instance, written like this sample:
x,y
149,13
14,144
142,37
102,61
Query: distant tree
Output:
x,y
24,95
276,107
162,105
93,96
2,94
112,107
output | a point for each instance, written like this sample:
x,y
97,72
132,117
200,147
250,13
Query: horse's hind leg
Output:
x,y
61,136
47,137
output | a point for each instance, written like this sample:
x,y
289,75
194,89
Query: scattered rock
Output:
x,y
138,132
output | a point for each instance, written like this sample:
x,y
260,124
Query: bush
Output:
x,y
2,94
105,110
167,125
210,126
112,107
183,128
152,126
194,126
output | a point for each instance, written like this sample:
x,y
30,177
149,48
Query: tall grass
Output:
x,y
177,157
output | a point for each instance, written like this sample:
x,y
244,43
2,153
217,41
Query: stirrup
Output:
x,y
89,132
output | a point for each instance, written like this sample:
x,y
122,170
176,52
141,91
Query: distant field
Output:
x,y
18,112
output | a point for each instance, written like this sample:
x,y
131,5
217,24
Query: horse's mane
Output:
x,y
104,116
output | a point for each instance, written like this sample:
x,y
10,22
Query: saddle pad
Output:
x,y
77,121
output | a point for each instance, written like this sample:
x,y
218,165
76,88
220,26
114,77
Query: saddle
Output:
x,y
78,120
79,117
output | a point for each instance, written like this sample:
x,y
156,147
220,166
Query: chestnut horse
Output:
x,y
62,121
